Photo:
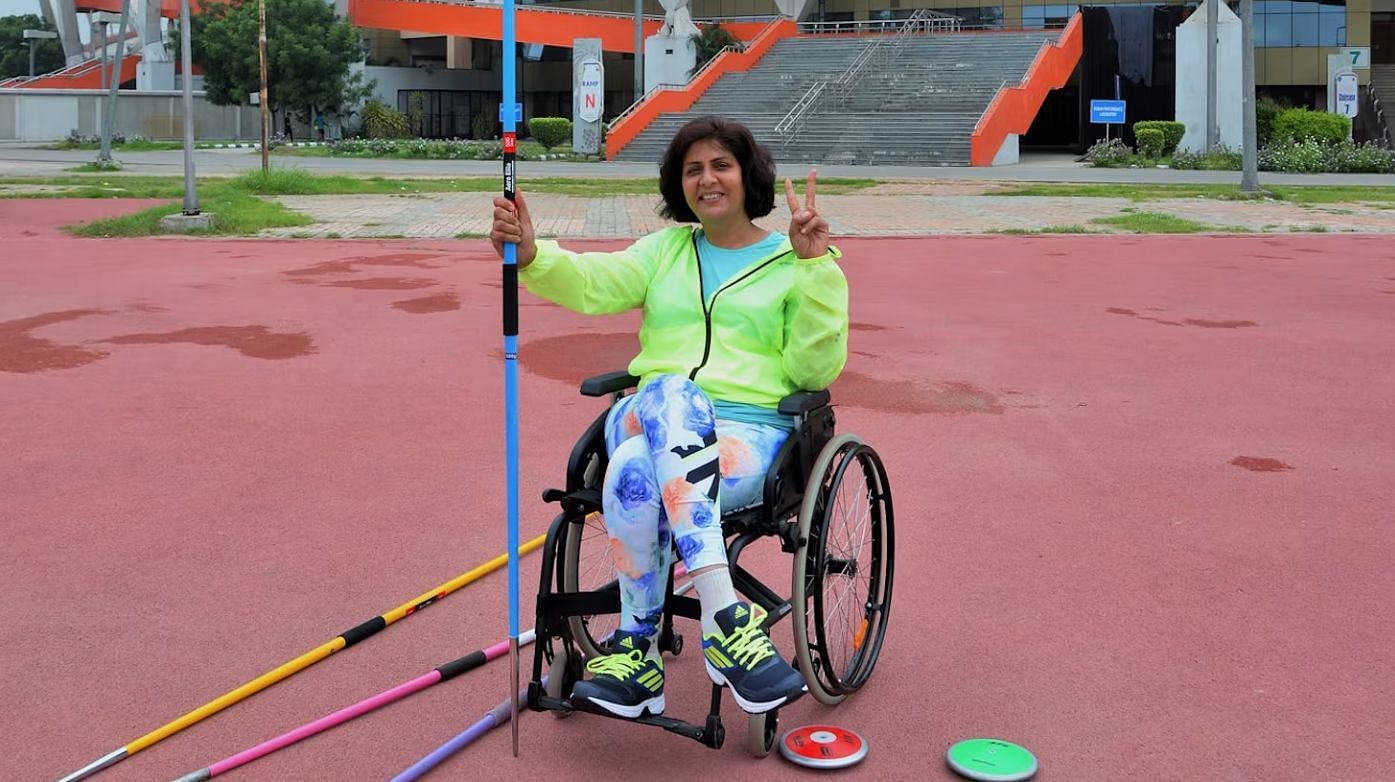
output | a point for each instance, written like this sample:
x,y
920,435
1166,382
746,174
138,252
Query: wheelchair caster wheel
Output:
x,y
673,644
714,734
761,730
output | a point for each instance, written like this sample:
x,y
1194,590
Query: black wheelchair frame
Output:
x,y
783,495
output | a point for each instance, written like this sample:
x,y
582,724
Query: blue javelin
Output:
x,y
509,112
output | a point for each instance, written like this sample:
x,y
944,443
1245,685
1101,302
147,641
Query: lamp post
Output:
x,y
1213,10
1249,177
639,50
114,83
261,59
34,36
186,56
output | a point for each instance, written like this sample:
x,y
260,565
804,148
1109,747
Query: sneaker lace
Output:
x,y
618,665
748,645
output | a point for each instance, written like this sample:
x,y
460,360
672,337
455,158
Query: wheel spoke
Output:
x,y
849,558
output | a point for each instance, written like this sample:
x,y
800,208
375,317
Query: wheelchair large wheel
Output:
x,y
842,579
588,566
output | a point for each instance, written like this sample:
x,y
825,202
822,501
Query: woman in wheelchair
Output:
x,y
735,317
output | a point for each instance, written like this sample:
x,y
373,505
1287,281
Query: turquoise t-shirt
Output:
x,y
719,265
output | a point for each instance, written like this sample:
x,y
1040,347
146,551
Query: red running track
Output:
x,y
1143,493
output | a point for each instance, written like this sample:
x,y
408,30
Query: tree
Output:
x,y
709,43
308,48
14,49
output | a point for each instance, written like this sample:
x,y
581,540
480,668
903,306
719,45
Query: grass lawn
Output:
x,y
1298,194
239,207
1159,223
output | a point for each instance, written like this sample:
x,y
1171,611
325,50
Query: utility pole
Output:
x,y
99,17
639,49
1213,13
1249,178
261,57
113,83
186,57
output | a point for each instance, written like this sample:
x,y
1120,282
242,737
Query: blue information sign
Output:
x,y
1106,112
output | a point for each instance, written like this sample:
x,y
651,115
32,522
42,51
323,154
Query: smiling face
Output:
x,y
712,183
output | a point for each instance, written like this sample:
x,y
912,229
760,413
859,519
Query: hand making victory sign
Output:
x,y
808,231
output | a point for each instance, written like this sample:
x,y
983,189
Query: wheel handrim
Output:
x,y
852,573
590,568
807,652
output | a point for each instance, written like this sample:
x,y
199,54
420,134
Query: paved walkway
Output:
x,y
913,201
16,159
894,209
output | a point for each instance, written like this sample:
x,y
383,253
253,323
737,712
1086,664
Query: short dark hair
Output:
x,y
757,169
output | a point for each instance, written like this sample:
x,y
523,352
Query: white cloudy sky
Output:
x,y
13,7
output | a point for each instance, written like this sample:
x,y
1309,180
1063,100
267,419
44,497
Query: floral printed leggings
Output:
x,y
663,487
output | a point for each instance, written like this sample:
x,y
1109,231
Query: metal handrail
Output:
x,y
855,68
921,20
996,94
69,71
736,48
838,89
550,10
672,85
1378,112
801,107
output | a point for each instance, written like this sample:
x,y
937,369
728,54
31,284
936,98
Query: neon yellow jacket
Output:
x,y
776,327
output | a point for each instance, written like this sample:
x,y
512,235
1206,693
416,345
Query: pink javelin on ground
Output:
x,y
439,674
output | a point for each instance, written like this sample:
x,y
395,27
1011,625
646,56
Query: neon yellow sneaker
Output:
x,y
625,683
743,658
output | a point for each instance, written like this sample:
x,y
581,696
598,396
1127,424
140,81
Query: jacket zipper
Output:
x,y
707,310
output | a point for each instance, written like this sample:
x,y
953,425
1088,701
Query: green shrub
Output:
x,y
1171,133
1218,159
1109,154
427,149
1303,157
550,131
1150,142
482,126
1312,157
1305,125
1266,111
383,121
1367,158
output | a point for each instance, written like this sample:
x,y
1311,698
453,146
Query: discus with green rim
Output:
x,y
991,760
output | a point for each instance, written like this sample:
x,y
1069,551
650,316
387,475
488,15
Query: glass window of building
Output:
x,y
1037,17
1303,23
975,18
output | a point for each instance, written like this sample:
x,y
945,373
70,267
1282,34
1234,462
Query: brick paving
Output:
x,y
889,209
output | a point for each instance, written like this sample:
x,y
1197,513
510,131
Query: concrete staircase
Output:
x,y
923,108
918,107
757,98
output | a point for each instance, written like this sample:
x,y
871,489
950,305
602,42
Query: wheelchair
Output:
x,y
825,500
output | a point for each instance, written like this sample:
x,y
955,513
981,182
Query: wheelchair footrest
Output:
x,y
712,734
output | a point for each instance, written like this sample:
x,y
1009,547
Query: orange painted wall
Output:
x,y
669,101
616,31
90,80
1014,108
481,21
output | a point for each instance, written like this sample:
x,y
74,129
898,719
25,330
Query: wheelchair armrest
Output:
x,y
802,402
609,383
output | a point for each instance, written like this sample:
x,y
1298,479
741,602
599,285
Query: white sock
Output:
x,y
715,592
